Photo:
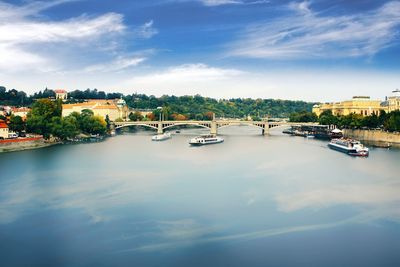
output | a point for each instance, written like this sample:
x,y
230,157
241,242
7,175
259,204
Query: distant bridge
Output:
x,y
213,125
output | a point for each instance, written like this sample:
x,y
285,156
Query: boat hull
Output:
x,y
348,151
204,144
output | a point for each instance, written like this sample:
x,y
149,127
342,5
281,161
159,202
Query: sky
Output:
x,y
313,50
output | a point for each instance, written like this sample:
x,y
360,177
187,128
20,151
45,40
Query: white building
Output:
x,y
61,94
4,131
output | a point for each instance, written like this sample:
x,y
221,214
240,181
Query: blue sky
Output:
x,y
315,50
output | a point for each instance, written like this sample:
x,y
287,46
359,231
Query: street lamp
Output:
x,y
160,109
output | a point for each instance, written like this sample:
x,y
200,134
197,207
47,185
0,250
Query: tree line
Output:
x,y
45,119
189,107
386,121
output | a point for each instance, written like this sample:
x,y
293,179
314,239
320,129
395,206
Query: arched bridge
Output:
x,y
214,125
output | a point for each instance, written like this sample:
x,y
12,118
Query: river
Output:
x,y
251,201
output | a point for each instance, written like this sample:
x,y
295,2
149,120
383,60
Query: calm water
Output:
x,y
251,201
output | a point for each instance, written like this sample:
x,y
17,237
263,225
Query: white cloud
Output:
x,y
232,2
306,34
29,42
219,2
146,30
118,64
187,73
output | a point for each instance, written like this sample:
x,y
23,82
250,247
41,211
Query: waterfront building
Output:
x,y
393,101
362,105
22,112
61,94
114,109
4,131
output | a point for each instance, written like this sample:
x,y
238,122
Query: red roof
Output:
x,y
3,125
60,91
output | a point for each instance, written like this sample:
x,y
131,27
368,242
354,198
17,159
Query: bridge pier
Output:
x,y
160,128
265,129
213,129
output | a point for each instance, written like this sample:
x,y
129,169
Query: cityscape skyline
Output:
x,y
309,50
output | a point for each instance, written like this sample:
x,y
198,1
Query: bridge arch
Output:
x,y
186,123
140,124
242,123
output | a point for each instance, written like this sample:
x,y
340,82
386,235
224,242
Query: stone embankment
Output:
x,y
374,137
10,145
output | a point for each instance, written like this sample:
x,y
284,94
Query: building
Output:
x,y
362,105
22,112
61,94
393,101
4,131
114,109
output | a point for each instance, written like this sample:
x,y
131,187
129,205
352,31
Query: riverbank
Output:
x,y
374,137
12,145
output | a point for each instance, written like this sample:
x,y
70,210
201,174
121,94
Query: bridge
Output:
x,y
213,125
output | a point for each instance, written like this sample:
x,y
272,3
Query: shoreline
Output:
x,y
15,145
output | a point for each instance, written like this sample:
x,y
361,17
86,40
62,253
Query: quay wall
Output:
x,y
374,137
10,145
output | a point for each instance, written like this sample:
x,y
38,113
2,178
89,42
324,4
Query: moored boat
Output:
x,y
349,146
205,140
161,137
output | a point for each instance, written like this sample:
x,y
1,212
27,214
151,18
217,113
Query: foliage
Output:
x,y
135,116
14,97
40,118
16,124
386,121
196,107
392,122
45,119
303,116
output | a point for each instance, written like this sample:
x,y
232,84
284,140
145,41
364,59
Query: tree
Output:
x,y
327,118
392,122
16,124
40,118
151,116
136,116
303,116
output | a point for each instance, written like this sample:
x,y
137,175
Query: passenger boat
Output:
x,y
161,137
205,140
349,146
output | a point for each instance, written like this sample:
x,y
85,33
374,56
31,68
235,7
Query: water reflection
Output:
x,y
130,195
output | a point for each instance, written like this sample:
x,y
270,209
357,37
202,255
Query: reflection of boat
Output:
x,y
205,140
161,137
288,131
349,146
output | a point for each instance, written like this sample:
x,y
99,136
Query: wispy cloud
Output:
x,y
304,33
230,2
26,39
118,64
188,73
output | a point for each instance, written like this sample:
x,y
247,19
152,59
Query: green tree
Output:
x,y
39,120
16,124
392,122
135,116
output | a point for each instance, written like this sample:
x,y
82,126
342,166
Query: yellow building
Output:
x,y
393,102
362,105
115,109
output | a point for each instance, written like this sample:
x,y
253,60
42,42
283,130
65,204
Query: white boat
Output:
x,y
161,137
349,146
205,140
